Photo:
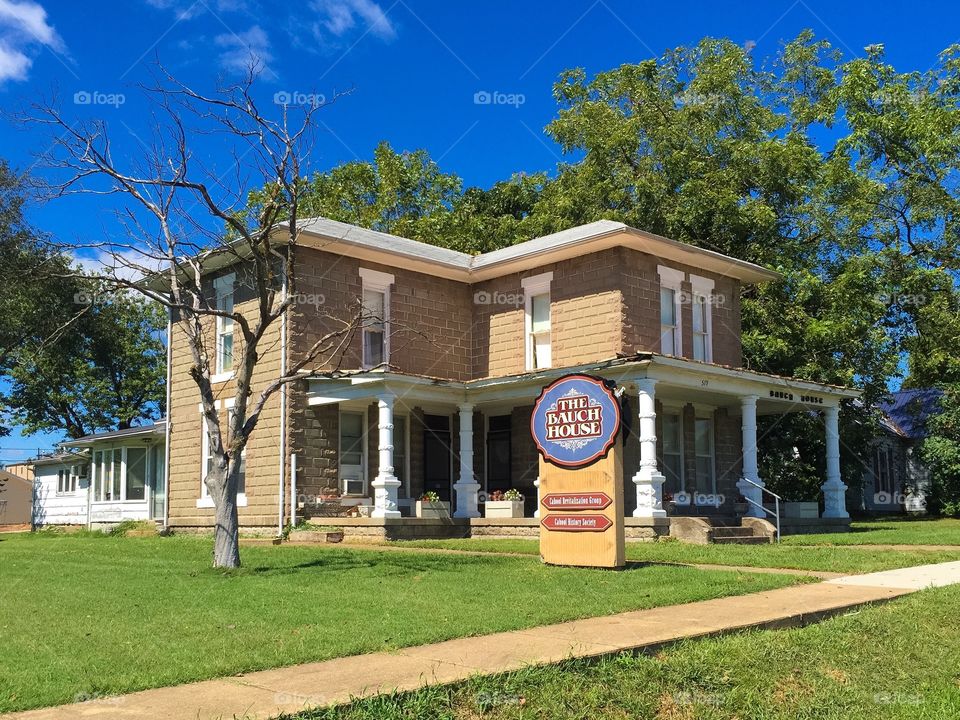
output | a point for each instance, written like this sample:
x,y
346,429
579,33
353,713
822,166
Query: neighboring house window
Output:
x,y
671,325
223,289
207,465
353,478
703,439
499,440
883,470
537,323
672,458
702,318
376,320
67,480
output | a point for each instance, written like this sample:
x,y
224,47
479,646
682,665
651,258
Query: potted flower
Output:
x,y
504,504
430,506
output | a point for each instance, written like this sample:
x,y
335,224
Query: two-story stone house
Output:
x,y
442,389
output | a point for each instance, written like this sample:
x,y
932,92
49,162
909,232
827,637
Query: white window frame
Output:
x,y
713,451
205,501
97,476
223,286
376,281
406,455
364,440
677,412
67,480
534,286
672,279
703,288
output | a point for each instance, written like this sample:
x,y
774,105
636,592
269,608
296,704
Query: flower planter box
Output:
x,y
801,509
503,509
436,510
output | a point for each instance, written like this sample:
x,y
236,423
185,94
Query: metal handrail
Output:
x,y
776,503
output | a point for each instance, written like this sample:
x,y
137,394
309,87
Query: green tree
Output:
x,y
104,372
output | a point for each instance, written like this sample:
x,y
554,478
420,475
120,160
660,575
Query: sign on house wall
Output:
x,y
576,427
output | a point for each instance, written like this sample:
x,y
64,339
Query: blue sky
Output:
x,y
417,69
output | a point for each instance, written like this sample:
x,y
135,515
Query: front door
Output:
x,y
436,455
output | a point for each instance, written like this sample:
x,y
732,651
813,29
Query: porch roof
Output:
x,y
156,428
678,380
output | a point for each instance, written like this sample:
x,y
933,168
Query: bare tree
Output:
x,y
179,218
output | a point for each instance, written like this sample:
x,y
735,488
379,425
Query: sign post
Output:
x,y
576,428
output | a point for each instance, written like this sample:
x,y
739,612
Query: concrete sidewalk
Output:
x,y
268,693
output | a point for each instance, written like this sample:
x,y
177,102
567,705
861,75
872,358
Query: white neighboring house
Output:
x,y
60,484
104,478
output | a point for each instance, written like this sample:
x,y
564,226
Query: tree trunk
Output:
x,y
226,536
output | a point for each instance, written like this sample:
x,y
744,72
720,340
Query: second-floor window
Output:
x,y
537,321
223,288
376,318
703,298
671,330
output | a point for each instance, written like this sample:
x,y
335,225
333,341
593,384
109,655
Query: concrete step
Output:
x,y
727,531
742,540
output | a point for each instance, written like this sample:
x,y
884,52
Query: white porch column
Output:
x,y
834,491
466,486
649,480
385,484
751,472
536,484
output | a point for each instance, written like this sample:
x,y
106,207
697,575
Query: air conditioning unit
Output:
x,y
352,485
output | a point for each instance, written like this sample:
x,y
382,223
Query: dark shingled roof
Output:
x,y
907,410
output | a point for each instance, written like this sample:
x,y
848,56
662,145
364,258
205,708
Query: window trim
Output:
x,y
672,279
364,465
678,414
222,286
376,281
713,451
703,288
534,286
205,501
97,476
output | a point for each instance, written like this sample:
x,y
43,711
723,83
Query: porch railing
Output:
x,y
776,503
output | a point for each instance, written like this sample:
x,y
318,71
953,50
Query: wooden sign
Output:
x,y
576,428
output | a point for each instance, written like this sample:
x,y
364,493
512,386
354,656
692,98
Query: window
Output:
x,y
537,321
499,453
702,318
353,479
703,438
400,454
671,330
376,320
883,470
208,462
67,480
136,481
223,289
672,460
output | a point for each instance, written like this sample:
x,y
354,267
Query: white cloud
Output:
x,y
241,51
339,17
23,25
187,9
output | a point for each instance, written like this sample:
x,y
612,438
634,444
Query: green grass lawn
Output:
x,y
83,615
898,660
891,531
784,555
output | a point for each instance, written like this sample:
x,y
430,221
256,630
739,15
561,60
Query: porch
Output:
x,y
375,442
